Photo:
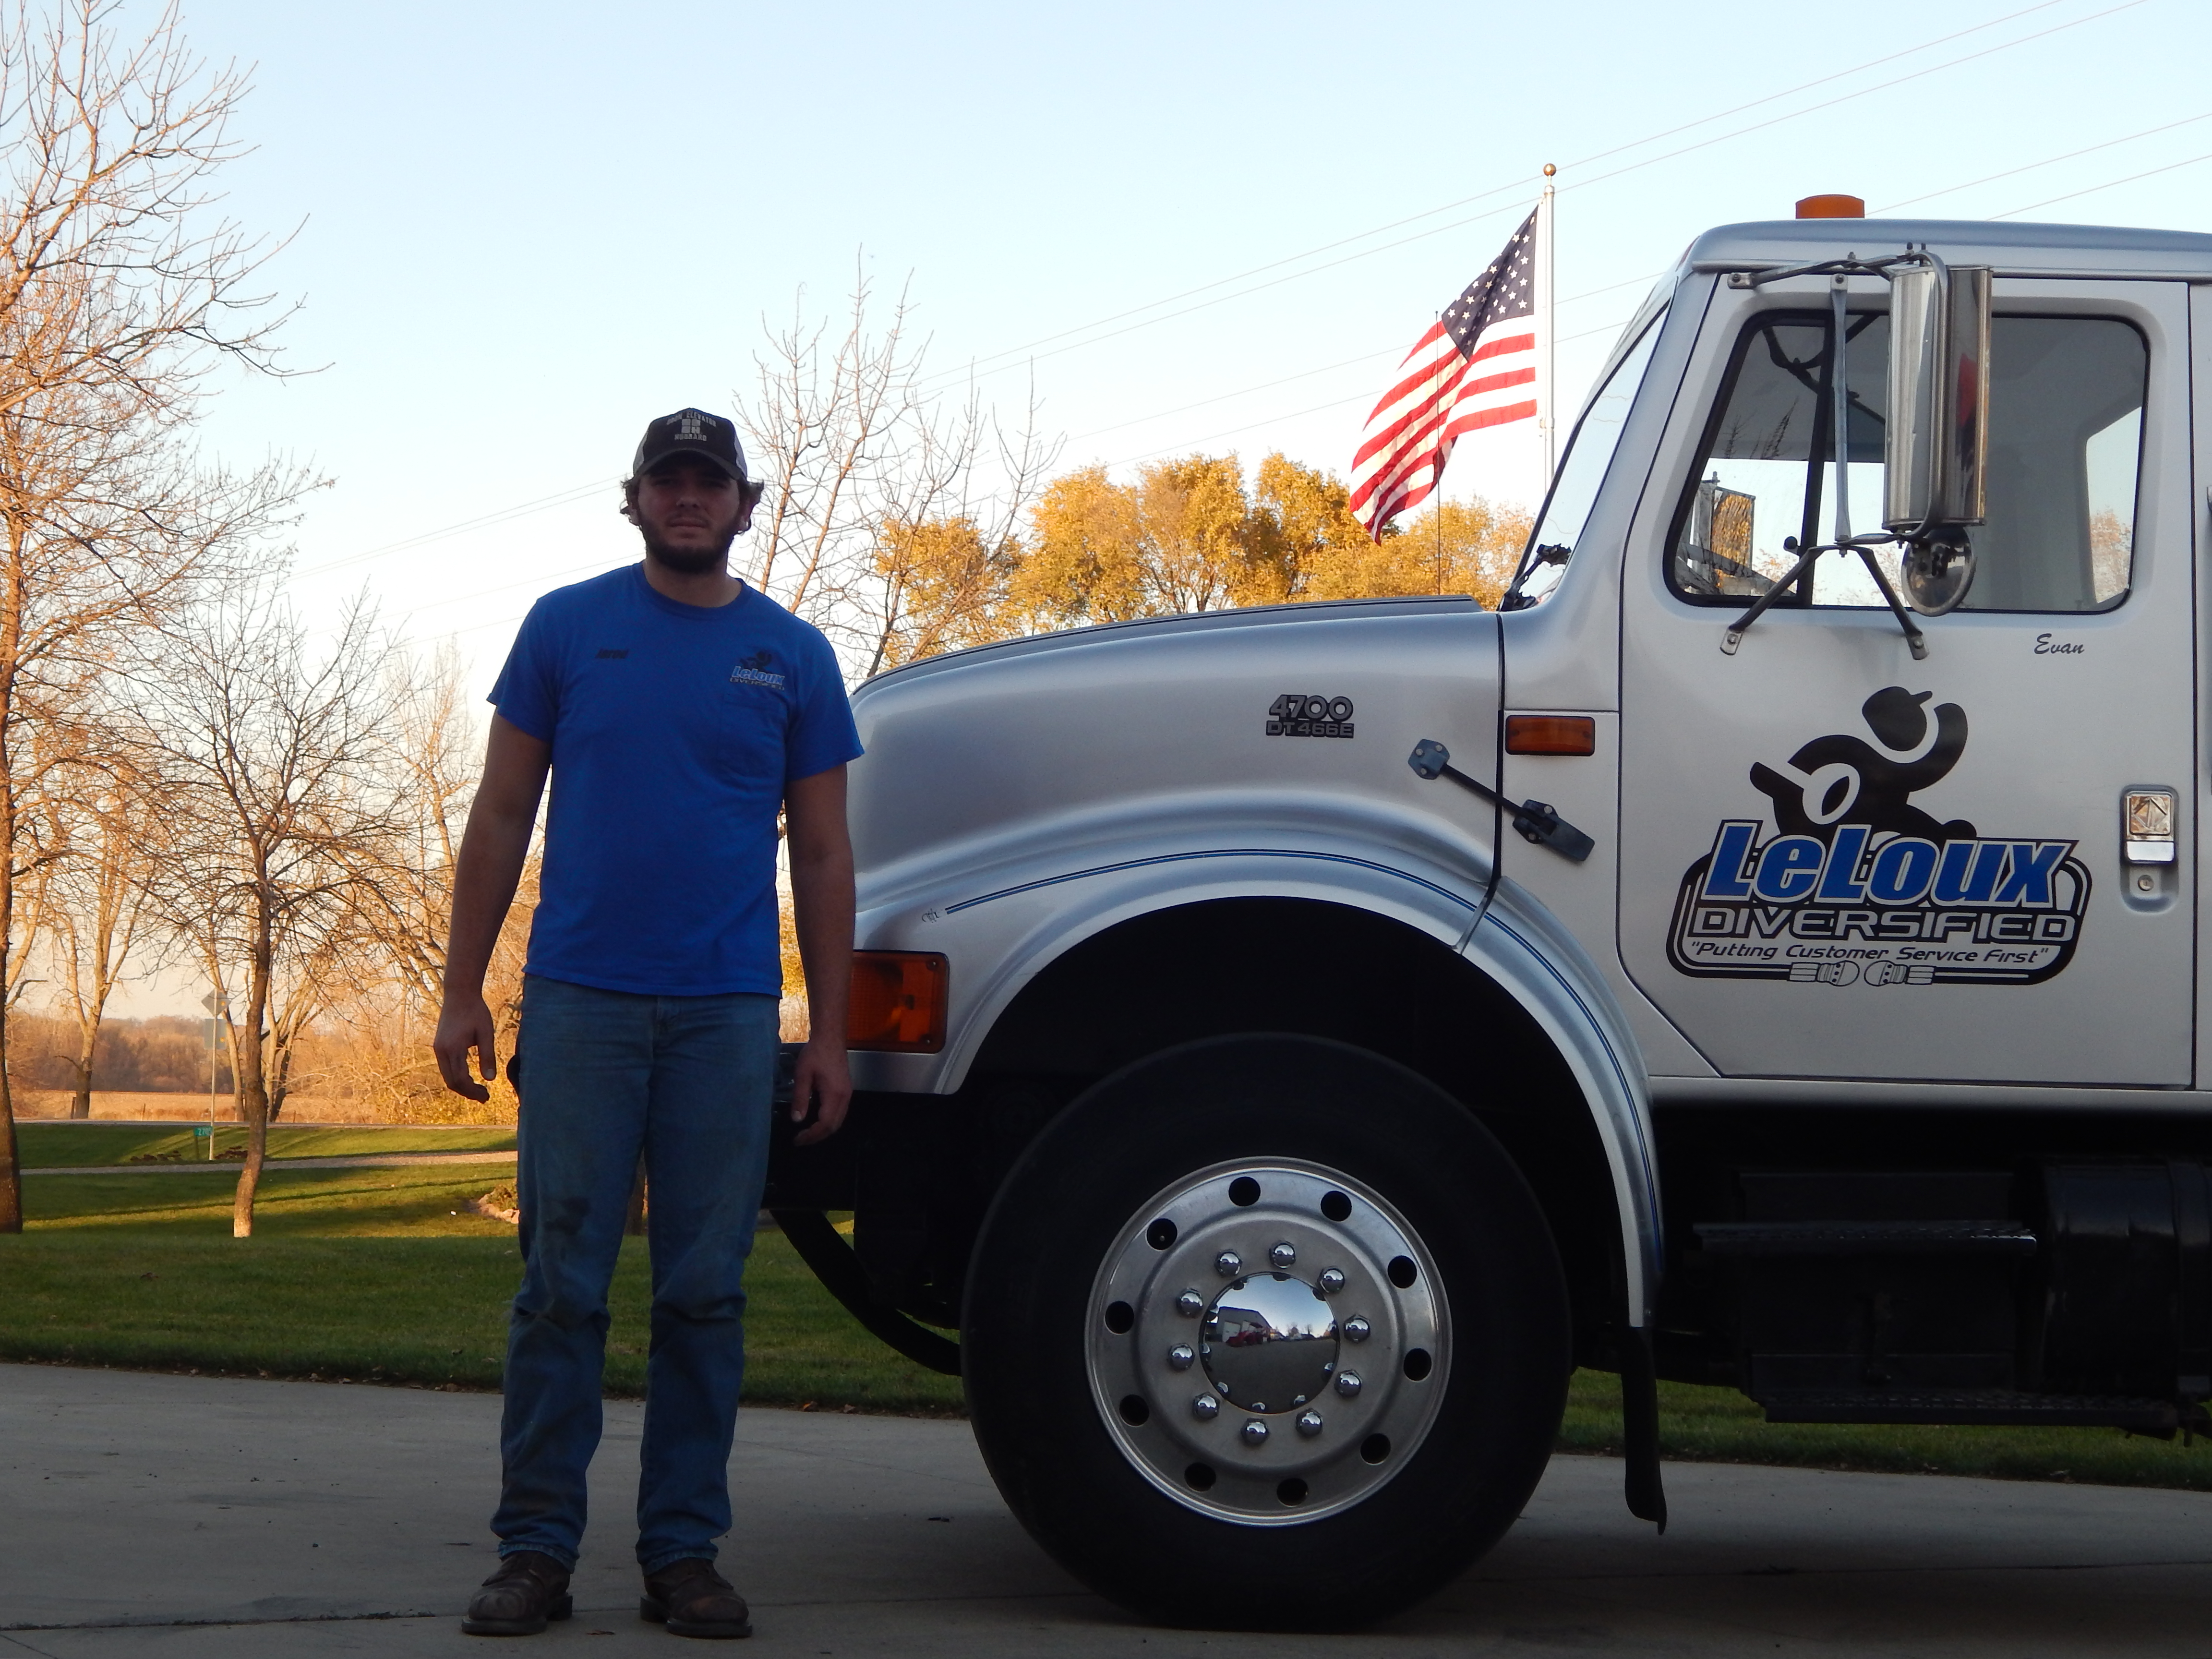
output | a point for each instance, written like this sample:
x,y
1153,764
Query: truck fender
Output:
x,y
1002,920
1521,946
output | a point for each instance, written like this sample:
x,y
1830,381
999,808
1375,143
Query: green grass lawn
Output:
x,y
384,1275
50,1146
376,1275
1719,1426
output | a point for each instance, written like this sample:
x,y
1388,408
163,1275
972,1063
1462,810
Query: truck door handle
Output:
x,y
1536,821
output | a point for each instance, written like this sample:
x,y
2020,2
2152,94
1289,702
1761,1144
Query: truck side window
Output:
x,y
1582,470
2066,397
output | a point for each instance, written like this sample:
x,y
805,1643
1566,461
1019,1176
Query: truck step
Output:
x,y
1996,1406
1779,1238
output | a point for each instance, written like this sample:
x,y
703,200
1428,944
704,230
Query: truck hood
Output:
x,y
1054,740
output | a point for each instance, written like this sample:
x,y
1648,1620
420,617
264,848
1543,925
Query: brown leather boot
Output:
x,y
692,1599
528,1590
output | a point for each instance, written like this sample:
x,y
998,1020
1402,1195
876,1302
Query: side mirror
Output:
x,y
1939,396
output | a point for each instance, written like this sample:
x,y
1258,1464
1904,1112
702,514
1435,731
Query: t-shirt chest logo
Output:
x,y
754,670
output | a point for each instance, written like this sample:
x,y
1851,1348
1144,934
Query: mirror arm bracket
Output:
x,y
1765,601
1913,637
1861,545
1850,265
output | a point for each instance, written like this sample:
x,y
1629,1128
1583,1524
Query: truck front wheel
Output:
x,y
1266,1332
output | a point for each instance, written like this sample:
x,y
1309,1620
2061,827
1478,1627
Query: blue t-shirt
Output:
x,y
675,728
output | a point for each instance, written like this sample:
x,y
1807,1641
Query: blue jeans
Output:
x,y
604,1075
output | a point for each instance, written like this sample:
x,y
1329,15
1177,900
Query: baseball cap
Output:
x,y
691,432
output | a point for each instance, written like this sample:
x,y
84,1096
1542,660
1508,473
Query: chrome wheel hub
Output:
x,y
1306,1313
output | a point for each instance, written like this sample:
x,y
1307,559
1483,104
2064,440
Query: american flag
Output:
x,y
1476,368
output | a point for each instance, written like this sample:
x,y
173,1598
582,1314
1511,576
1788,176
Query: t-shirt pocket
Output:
x,y
754,718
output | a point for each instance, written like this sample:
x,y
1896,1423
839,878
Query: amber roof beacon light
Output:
x,y
1831,207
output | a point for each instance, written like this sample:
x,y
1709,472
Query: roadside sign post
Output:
x,y
213,1005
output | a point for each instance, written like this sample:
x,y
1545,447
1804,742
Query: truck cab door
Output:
x,y
1841,862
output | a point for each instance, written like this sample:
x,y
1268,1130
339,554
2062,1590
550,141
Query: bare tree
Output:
x,y
389,968
121,290
105,831
878,484
278,748
827,428
405,882
947,545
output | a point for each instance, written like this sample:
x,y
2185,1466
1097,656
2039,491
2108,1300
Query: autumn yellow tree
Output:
x,y
1184,535
1181,537
1085,556
1455,547
949,579
1205,548
1322,550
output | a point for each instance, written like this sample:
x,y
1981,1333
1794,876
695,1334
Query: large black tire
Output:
x,y
1034,1335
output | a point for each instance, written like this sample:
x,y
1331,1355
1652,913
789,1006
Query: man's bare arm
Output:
x,y
493,848
822,905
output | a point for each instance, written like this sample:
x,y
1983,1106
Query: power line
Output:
x,y
2109,184
1841,75
1498,190
532,580
502,622
2091,190
975,373
2050,160
972,371
1307,374
1339,403
543,503
1813,109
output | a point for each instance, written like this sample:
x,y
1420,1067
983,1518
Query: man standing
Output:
x,y
677,711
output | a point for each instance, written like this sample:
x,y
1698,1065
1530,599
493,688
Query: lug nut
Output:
x,y
1331,1281
1255,1432
1180,1358
1357,1329
1229,1264
1190,1304
1285,1254
1309,1423
1347,1383
1204,1407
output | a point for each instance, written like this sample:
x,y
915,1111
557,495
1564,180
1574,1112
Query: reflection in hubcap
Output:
x,y
1270,1343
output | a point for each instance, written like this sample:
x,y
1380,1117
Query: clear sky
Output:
x,y
524,229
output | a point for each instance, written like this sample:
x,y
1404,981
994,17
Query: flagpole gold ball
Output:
x,y
1550,171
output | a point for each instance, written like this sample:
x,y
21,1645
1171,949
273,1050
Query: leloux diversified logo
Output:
x,y
1858,885
754,670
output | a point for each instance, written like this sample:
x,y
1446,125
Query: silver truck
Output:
x,y
1764,952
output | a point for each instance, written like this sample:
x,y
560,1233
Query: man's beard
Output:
x,y
689,561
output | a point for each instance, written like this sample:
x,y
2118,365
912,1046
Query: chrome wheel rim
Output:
x,y
1268,1341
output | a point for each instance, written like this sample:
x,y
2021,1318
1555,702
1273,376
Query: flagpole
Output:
x,y
1549,421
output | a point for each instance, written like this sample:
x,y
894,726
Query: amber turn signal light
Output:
x,y
1551,734
898,1001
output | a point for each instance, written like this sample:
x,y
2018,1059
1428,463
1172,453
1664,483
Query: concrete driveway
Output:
x,y
176,1516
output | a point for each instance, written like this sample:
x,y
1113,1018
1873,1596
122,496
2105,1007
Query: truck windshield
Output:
x,y
1574,490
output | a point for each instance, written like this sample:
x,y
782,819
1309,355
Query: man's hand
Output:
x,y
464,1024
822,1084
491,865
